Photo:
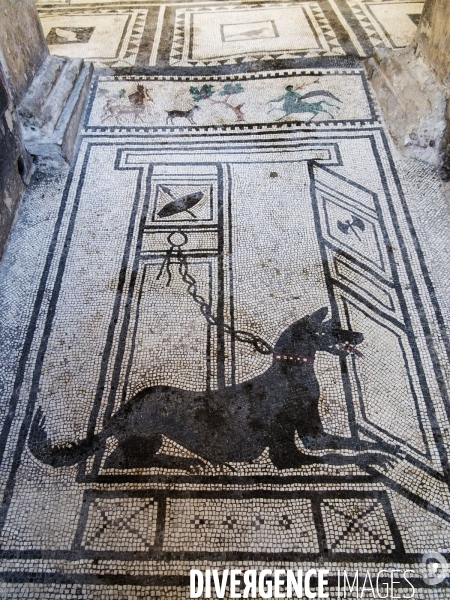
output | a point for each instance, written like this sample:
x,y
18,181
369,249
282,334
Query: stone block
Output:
x,y
412,101
52,110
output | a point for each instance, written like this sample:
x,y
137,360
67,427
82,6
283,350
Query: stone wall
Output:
x,y
433,37
433,43
22,44
12,163
22,52
412,86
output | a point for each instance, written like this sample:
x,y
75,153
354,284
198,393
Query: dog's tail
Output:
x,y
61,455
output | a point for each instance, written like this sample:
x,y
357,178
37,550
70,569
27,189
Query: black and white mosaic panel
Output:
x,y
110,37
219,34
143,35
205,379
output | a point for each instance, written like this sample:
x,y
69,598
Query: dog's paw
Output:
x,y
197,467
387,462
370,459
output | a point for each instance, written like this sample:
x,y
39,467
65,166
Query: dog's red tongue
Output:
x,y
351,349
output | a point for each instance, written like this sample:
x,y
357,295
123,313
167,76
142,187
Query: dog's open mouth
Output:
x,y
350,349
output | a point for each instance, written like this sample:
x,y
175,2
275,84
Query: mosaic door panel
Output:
x,y
198,272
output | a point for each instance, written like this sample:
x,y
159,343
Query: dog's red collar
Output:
x,y
293,359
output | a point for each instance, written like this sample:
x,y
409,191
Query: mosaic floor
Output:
x,y
139,34
223,330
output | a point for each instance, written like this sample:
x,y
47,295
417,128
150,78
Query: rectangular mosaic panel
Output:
x,y
107,36
219,34
209,35
230,356
251,99
253,525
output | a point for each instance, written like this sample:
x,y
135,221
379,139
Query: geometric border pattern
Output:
x,y
377,38
378,537
372,28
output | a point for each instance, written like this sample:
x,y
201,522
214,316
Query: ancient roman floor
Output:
x,y
223,335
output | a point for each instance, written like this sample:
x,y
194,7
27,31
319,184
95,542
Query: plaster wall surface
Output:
x,y
433,39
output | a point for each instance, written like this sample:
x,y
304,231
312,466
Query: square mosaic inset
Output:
x,y
249,31
69,35
119,523
361,523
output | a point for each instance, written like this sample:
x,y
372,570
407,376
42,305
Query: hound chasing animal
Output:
x,y
233,424
182,114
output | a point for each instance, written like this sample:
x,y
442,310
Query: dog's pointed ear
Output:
x,y
319,315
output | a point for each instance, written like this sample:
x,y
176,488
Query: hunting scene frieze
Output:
x,y
306,99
